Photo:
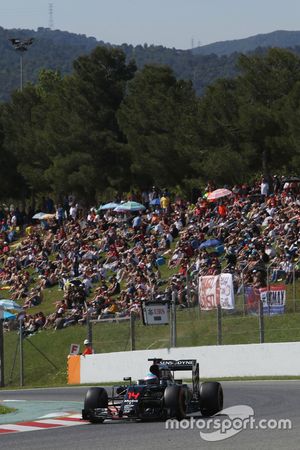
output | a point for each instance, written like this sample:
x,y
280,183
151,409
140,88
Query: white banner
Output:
x,y
216,290
226,291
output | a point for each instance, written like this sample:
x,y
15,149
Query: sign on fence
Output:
x,y
226,291
74,349
155,314
272,297
216,290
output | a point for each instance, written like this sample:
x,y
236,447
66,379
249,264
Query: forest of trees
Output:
x,y
109,127
56,50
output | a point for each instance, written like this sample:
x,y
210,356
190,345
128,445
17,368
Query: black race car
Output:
x,y
158,397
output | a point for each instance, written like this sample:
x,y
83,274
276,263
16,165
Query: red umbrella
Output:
x,y
218,193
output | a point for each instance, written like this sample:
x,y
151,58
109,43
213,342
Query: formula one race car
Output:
x,y
157,397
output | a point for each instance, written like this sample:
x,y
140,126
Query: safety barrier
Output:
x,y
280,359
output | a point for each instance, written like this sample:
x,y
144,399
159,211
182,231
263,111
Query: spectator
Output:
x,y
88,349
264,188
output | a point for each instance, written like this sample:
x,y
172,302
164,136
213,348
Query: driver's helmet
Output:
x,y
150,378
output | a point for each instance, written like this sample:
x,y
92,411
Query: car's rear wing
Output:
x,y
181,365
172,364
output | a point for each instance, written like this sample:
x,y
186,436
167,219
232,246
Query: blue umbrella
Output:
x,y
8,304
8,316
130,207
111,205
209,243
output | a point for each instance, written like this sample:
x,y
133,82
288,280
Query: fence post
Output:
x,y
1,350
89,330
219,321
243,283
294,288
188,287
198,303
173,319
261,322
21,352
132,331
174,324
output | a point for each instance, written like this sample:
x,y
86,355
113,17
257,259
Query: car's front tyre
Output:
x,y
211,398
96,397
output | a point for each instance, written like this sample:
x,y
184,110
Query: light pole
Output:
x,y
21,46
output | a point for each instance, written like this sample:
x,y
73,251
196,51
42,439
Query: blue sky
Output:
x,y
172,23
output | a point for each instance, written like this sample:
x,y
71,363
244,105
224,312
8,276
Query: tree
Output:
x,y
11,181
290,116
158,118
23,127
88,106
223,157
263,87
72,173
246,120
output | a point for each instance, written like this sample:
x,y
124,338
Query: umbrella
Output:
x,y
110,205
7,315
209,243
218,193
39,216
9,304
130,207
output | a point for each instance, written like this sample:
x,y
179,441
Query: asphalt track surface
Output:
x,y
269,399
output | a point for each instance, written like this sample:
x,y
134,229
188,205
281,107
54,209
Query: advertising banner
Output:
x,y
155,314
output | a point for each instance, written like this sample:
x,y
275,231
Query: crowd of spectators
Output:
x,y
106,263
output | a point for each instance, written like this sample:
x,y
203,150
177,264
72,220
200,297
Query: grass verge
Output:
x,y
6,410
46,352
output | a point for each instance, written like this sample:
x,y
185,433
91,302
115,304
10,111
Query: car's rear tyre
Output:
x,y
175,400
96,397
211,398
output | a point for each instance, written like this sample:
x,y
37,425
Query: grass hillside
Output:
x,y
45,353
